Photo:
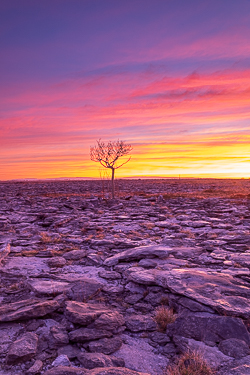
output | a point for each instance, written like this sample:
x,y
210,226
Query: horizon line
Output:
x,y
180,177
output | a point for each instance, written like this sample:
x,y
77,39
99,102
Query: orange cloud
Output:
x,y
52,127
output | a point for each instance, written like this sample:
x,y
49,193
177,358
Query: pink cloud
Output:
x,y
59,122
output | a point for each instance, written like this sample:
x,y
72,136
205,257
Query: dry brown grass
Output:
x,y
212,236
46,238
148,225
163,317
89,237
190,363
14,287
29,253
187,232
237,265
100,235
169,188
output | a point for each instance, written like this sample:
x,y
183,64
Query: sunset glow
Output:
x,y
170,77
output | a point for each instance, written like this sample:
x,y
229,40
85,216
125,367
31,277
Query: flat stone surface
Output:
x,y
106,345
36,367
80,269
49,287
84,313
234,348
136,323
66,370
138,356
61,360
115,371
209,328
237,367
93,360
8,334
22,266
210,288
110,321
27,309
138,253
88,334
69,350
22,349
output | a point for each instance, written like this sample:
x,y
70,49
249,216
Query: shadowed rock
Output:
x,y
139,253
36,367
83,313
63,370
137,323
22,349
8,334
106,346
69,350
88,334
209,328
84,289
115,371
49,287
27,309
24,266
66,370
234,348
222,292
93,360
110,321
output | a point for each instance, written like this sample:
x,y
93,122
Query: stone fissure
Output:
x,y
82,277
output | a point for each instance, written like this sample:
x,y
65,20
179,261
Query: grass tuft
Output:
x,y
190,363
163,317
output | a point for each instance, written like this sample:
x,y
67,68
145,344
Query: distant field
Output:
x,y
168,188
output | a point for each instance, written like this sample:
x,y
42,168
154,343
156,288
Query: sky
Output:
x,y
169,77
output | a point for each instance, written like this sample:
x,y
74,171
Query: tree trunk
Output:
x,y
113,183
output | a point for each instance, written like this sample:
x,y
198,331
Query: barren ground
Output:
x,y
83,276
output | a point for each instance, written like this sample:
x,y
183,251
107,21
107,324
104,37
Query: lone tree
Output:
x,y
108,154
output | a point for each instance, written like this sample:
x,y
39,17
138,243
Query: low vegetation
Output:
x,y
190,363
163,317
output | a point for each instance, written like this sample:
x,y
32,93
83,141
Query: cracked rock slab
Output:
x,y
221,292
88,334
138,253
27,309
49,287
22,349
209,328
93,360
138,356
8,334
25,266
106,345
83,313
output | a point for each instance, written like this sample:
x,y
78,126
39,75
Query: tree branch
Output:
x,y
123,163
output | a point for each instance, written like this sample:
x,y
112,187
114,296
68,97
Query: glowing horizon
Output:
x,y
171,79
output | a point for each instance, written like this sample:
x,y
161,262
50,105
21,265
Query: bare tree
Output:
x,y
108,154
